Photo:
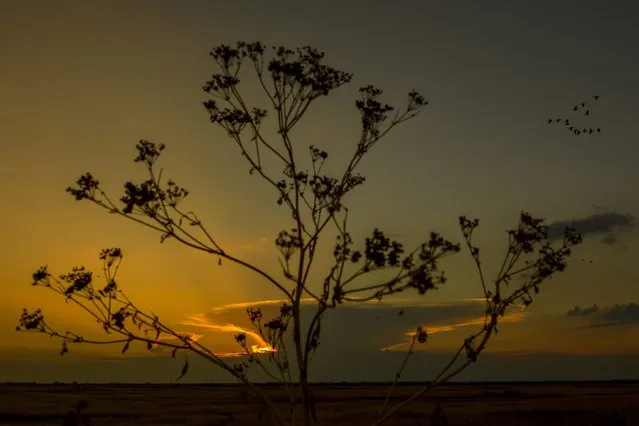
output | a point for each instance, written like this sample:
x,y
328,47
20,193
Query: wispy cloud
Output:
x,y
430,329
369,326
200,321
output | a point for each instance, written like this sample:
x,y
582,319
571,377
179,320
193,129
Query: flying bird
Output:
x,y
571,124
400,313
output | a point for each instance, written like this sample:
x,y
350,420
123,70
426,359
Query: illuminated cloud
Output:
x,y
447,327
259,345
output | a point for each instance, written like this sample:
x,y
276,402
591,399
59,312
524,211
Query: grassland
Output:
x,y
521,404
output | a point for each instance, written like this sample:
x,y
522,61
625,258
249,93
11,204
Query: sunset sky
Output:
x,y
83,81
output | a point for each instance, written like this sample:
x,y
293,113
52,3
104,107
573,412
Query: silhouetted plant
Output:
x,y
437,417
75,417
292,81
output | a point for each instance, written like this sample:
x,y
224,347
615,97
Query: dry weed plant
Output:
x,y
292,80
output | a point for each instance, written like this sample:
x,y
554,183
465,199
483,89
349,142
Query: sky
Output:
x,y
82,82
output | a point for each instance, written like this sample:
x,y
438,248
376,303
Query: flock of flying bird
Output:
x,y
572,126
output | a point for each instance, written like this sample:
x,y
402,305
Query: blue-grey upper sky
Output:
x,y
82,82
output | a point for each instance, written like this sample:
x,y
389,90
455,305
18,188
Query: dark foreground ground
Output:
x,y
605,404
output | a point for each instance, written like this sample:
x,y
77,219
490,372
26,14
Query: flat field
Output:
x,y
521,404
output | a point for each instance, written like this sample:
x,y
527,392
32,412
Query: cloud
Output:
x,y
606,317
579,312
362,328
609,224
622,313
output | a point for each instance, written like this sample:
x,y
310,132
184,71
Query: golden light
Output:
x,y
200,321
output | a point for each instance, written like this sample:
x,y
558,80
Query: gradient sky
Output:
x,y
82,82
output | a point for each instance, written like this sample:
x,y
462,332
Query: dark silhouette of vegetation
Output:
x,y
75,417
293,80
